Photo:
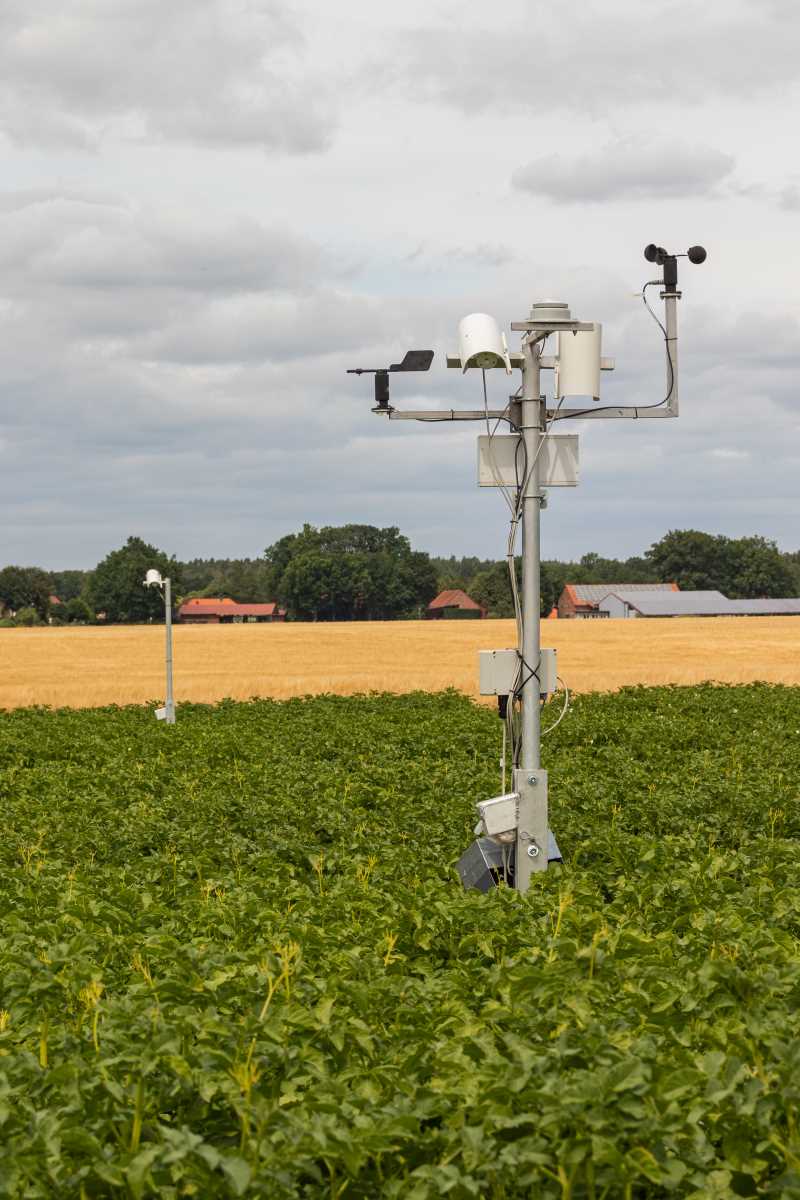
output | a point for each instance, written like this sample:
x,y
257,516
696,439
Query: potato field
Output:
x,y
236,960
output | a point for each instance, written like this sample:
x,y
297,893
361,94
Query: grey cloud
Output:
x,y
286,328
484,254
215,72
590,59
71,242
634,168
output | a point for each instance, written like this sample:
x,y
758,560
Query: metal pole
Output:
x,y
530,781
170,702
671,314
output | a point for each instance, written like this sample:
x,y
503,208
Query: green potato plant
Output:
x,y
235,958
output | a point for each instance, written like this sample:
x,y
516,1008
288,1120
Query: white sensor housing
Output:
x,y
500,814
578,363
153,577
481,344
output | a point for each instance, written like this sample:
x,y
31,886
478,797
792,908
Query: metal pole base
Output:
x,y
481,865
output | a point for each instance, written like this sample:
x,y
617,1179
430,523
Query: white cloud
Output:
x,y
632,168
598,56
212,72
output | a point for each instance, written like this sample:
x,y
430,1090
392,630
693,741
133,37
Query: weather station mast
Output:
x,y
513,836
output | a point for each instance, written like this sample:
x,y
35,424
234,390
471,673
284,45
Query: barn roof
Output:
x,y
226,607
676,604
591,593
764,608
453,598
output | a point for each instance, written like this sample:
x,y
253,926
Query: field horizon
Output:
x,y
95,666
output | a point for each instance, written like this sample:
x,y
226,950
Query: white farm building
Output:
x,y
624,602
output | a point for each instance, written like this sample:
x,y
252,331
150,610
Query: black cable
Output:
x,y
635,407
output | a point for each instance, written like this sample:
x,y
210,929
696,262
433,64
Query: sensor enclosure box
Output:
x,y
499,672
578,364
499,815
501,460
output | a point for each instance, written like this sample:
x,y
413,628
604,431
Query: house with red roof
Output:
x,y
453,603
224,611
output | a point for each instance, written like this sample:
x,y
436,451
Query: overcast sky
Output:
x,y
211,208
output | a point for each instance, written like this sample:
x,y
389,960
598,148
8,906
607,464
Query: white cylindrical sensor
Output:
x,y
480,343
153,577
578,369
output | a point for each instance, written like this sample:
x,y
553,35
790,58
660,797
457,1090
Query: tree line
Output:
x,y
360,572
740,568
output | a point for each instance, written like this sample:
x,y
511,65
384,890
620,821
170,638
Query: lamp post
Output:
x,y
154,579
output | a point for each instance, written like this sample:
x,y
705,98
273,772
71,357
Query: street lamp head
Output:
x,y
153,578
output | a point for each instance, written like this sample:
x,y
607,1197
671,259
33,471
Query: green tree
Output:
x,y
759,569
792,561
243,579
737,567
25,587
349,572
69,584
692,559
117,583
27,616
77,610
491,588
322,587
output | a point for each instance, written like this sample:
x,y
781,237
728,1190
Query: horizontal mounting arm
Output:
x,y
604,412
547,361
433,415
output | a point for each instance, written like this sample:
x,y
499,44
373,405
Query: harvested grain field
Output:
x,y
125,664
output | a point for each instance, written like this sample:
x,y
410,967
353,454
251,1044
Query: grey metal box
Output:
x,y
499,672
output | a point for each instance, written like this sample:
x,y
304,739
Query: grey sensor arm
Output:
x,y
670,295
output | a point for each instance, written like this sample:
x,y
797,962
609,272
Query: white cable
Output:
x,y
563,712
505,490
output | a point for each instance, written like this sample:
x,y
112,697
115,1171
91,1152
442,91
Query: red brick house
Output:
x,y
582,599
453,603
224,611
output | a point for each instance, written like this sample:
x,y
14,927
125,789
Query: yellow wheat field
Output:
x,y
125,665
